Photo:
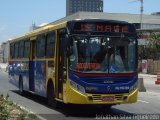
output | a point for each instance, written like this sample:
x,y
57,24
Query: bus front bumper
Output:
x,y
74,97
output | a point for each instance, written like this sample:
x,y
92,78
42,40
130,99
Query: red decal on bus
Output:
x,y
124,29
108,28
99,27
86,27
88,65
116,28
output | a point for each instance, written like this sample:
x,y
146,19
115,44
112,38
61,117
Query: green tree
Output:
x,y
154,45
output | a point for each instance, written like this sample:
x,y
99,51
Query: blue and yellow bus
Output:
x,y
90,61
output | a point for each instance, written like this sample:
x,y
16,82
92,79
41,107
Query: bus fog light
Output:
x,y
81,89
73,84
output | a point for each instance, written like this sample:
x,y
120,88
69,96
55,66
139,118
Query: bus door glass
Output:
x,y
62,60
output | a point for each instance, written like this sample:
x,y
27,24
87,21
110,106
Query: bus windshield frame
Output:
x,y
103,54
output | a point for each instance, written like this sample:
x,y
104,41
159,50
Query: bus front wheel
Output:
x,y
51,97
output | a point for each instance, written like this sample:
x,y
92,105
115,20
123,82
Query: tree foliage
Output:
x,y
155,41
152,50
154,45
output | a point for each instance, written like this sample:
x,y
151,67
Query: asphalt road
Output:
x,y
148,103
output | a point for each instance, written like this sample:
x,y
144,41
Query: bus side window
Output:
x,y
21,49
50,45
12,50
26,49
40,46
16,48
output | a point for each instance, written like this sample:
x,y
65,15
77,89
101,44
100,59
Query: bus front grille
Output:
x,y
99,98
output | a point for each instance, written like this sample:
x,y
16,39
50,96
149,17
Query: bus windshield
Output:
x,y
102,54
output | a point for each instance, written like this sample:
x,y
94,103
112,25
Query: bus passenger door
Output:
x,y
31,66
62,63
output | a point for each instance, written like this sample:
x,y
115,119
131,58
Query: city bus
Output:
x,y
90,61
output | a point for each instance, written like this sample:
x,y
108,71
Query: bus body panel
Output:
x,y
40,77
17,69
14,73
122,93
105,84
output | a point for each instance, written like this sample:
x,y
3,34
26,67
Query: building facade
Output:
x,y
73,6
156,13
4,53
1,55
149,22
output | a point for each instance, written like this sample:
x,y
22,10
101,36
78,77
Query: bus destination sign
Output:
x,y
101,27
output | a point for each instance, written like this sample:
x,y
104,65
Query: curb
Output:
x,y
29,111
38,116
26,110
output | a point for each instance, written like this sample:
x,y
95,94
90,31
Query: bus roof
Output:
x,y
46,28
51,27
99,20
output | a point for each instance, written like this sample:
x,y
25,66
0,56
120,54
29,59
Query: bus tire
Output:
x,y
21,91
51,97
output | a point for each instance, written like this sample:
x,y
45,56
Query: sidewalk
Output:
x,y
149,84
148,79
146,75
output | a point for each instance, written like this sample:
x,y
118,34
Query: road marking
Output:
x,y
153,92
143,101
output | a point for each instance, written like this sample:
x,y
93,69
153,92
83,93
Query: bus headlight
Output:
x,y
133,87
77,87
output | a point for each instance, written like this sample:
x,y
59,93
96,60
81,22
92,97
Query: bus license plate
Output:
x,y
108,98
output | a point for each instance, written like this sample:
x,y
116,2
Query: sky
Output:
x,y
16,16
